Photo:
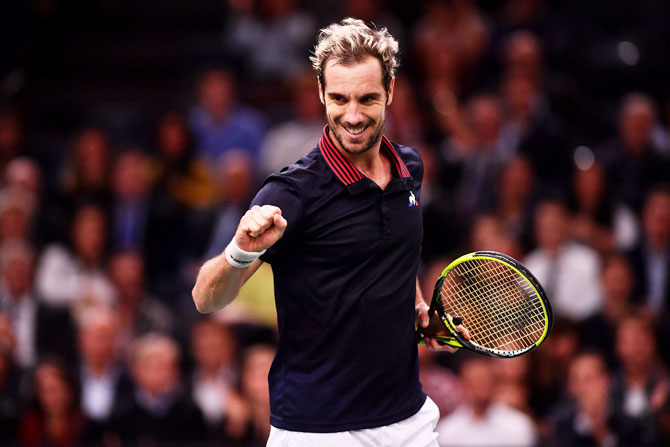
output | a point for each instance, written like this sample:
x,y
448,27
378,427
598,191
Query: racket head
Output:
x,y
501,303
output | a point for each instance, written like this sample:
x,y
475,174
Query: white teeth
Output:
x,y
355,130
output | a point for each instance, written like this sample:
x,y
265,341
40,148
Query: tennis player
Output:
x,y
342,230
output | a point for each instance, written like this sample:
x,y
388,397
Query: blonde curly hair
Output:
x,y
352,41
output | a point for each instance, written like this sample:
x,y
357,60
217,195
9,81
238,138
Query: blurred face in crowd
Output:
x,y
523,52
520,91
588,379
255,370
636,345
17,271
550,225
355,103
478,381
155,368
172,137
54,392
128,176
486,117
98,336
126,271
23,173
89,234
589,187
617,281
236,175
16,213
516,178
216,93
212,346
485,229
635,126
656,219
92,158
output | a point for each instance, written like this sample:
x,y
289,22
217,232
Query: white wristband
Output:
x,y
239,258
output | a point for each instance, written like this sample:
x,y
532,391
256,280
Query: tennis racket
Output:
x,y
496,298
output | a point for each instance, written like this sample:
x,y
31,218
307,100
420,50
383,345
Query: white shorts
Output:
x,y
415,431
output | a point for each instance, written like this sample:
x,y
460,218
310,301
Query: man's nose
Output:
x,y
353,113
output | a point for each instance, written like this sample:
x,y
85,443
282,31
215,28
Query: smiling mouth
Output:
x,y
354,131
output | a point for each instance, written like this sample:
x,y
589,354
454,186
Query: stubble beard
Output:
x,y
374,138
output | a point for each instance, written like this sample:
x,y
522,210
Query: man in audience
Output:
x,y
159,411
568,272
480,420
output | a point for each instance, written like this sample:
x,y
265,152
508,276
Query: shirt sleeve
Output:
x,y
281,192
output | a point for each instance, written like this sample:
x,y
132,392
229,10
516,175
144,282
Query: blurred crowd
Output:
x,y
100,343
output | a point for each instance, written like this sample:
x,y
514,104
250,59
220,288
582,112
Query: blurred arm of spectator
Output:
x,y
254,387
10,382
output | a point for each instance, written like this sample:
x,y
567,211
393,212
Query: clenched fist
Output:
x,y
260,228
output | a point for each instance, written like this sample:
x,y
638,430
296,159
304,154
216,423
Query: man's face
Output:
x,y
355,103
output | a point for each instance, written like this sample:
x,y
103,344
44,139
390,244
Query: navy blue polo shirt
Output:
x,y
345,285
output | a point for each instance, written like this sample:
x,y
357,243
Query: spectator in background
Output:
x,y
641,387
129,207
138,311
75,277
213,379
235,179
84,176
598,221
39,329
254,371
599,330
480,420
551,365
651,256
535,131
174,170
514,194
405,121
49,222
17,211
219,123
513,383
633,163
55,417
160,412
586,419
569,272
271,37
288,141
104,380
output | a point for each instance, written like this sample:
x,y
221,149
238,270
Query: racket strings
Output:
x,y
498,306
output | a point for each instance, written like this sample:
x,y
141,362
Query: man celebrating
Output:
x,y
342,230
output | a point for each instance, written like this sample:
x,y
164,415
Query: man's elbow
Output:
x,y
199,302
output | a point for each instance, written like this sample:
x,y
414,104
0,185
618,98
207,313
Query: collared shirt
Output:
x,y
345,276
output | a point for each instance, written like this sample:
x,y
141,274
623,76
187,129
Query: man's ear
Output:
x,y
321,94
389,98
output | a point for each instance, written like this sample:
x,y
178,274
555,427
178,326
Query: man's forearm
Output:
x,y
219,283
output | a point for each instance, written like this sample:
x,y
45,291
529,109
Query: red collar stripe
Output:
x,y
345,171
353,173
337,169
399,165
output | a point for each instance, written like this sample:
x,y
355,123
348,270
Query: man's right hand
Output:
x,y
260,228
